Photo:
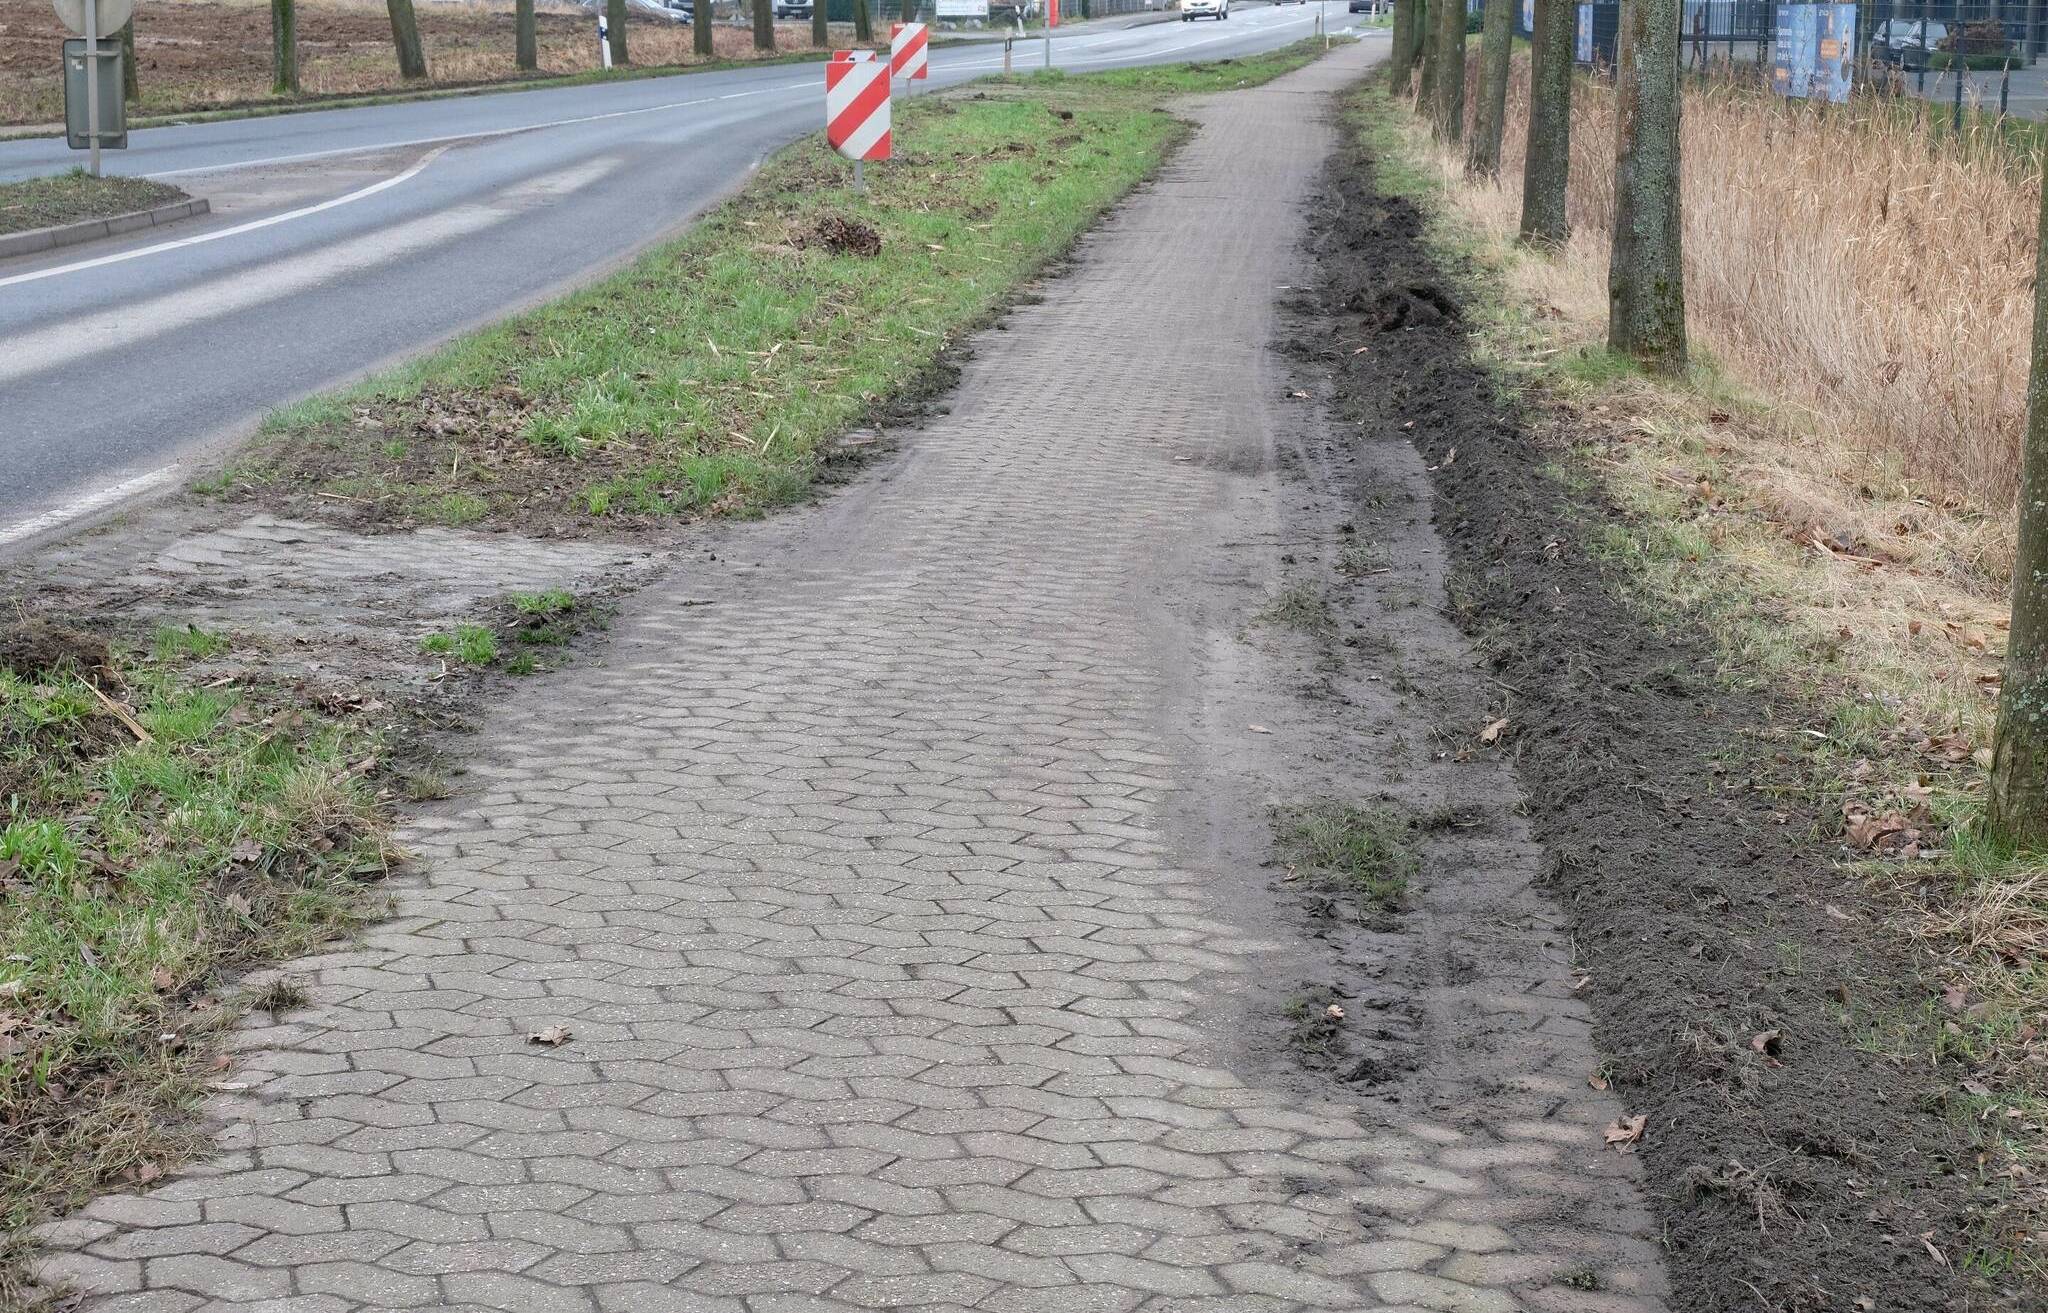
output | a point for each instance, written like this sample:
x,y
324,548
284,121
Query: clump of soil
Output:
x,y
31,649
842,236
1736,977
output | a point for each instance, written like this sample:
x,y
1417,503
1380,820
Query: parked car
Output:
x,y
1898,40
792,8
1190,10
1365,6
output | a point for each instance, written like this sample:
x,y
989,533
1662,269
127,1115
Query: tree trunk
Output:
x,y
910,11
615,29
700,27
1425,42
1547,166
1448,118
821,25
863,26
405,35
284,47
131,79
1482,157
525,40
1646,275
764,24
2017,811
1401,59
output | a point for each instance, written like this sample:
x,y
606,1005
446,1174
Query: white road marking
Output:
x,y
449,138
125,326
86,505
182,242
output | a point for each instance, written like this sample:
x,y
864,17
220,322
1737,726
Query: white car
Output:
x,y
1190,10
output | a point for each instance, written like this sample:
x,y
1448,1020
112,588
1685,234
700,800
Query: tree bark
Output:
x,y
525,40
1646,273
1482,156
764,24
284,47
131,80
405,36
821,25
1448,118
1401,59
700,27
2017,811
863,25
615,29
910,11
1425,42
1547,165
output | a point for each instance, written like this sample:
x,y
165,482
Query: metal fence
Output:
x,y
1985,53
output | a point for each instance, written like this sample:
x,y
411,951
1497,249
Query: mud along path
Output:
x,y
888,920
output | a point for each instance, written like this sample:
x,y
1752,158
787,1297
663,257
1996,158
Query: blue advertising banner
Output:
x,y
1528,15
1814,53
1584,51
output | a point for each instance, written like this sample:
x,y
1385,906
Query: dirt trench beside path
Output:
x,y
901,877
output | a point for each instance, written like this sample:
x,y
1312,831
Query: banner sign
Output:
x,y
963,9
1814,53
1583,48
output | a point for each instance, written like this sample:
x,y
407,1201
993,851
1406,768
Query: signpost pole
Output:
x,y
92,83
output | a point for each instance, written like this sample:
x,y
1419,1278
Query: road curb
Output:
x,y
86,230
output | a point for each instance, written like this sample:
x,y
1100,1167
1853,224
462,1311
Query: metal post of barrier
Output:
x,y
1955,69
1006,56
1048,47
2004,86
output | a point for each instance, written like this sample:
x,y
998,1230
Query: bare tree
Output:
x,y
1646,273
2017,811
910,11
863,25
525,39
405,35
284,47
764,24
1547,164
821,25
1426,25
1482,152
615,27
1448,118
700,27
1401,59
131,79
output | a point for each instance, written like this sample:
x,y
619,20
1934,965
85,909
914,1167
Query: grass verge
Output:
x,y
160,833
70,197
1339,847
712,375
1835,583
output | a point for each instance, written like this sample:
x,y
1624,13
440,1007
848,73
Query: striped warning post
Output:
x,y
852,56
857,108
907,53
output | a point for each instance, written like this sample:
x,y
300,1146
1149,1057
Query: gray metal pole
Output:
x,y
92,83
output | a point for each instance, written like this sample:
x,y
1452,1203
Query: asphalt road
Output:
x,y
344,240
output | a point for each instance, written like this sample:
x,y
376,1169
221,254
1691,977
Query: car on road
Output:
x,y
1190,10
1364,6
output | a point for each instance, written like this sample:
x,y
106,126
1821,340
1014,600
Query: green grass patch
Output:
x,y
154,835
711,376
1364,851
76,195
1302,607
474,644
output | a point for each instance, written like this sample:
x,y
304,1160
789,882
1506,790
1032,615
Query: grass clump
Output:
x,y
74,196
140,863
1302,607
1363,851
473,644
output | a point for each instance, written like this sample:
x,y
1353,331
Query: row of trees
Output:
x,y
1646,284
412,59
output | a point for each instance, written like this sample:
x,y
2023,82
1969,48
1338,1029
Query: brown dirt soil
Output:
x,y
32,648
1807,1172
194,55
73,197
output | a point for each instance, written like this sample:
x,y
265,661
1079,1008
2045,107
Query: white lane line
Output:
x,y
125,326
450,138
86,505
182,242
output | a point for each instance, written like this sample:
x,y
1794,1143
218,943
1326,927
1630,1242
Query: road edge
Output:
x,y
38,240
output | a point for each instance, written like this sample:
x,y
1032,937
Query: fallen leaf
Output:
x,y
1451,458
1955,996
1258,729
9,988
1597,1081
1865,1303
147,1172
1626,1131
1334,1013
553,1036
1766,1042
1492,733
238,905
163,979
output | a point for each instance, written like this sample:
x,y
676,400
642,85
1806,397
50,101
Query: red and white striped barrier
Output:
x,y
857,108
852,56
907,51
